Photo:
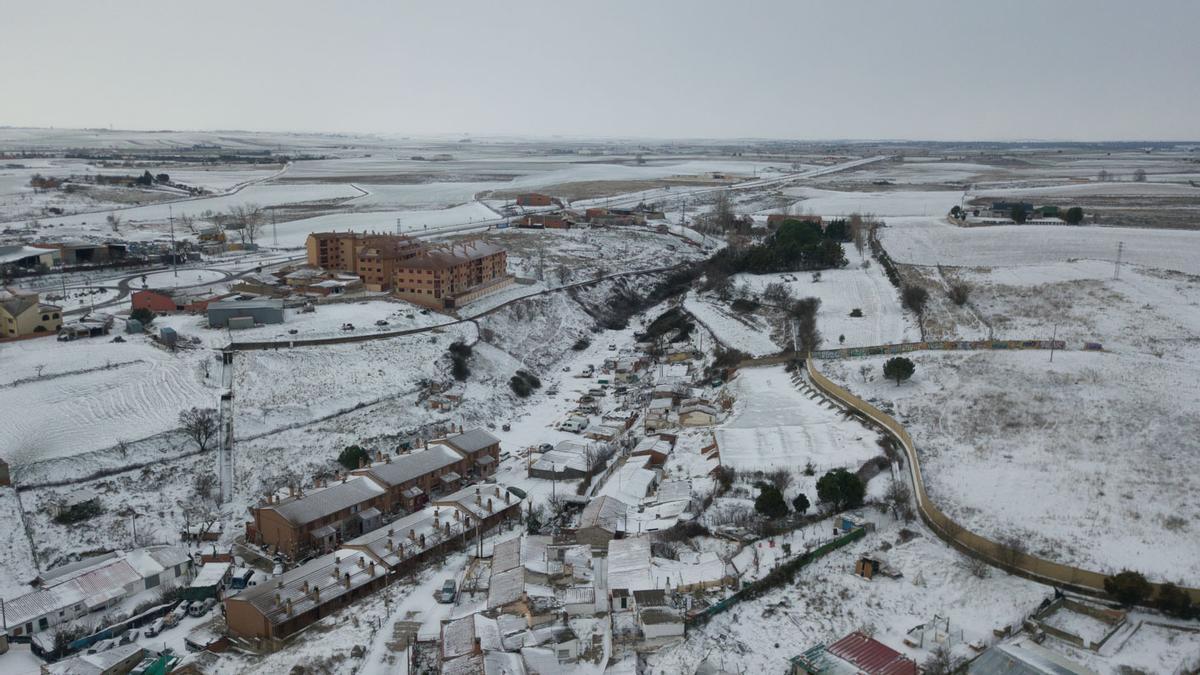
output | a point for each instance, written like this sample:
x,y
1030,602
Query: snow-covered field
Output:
x,y
53,416
1090,459
16,555
774,425
832,203
933,241
744,332
841,291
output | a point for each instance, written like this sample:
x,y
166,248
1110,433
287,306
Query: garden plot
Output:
x,y
933,241
827,601
1089,460
743,331
1150,649
841,291
77,404
776,426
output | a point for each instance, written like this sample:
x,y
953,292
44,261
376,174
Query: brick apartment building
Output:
x,y
449,277
342,509
441,277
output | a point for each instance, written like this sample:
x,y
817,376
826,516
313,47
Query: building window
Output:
x,y
43,624
152,581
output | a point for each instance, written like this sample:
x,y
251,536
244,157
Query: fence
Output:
x,y
777,576
1007,558
944,345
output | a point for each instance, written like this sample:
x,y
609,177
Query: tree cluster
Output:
x,y
460,356
353,457
841,489
795,246
523,383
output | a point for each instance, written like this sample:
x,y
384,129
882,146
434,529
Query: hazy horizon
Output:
x,y
1067,71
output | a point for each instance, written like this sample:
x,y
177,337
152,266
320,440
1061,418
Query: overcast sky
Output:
x,y
1045,69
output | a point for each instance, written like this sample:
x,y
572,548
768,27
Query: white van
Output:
x,y
574,424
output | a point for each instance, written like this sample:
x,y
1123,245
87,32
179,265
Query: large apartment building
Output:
x,y
438,277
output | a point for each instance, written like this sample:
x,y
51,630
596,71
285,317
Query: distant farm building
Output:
x,y
535,199
168,301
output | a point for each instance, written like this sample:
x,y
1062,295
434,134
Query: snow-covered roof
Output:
x,y
458,637
506,555
606,513
672,490
506,587
472,441
503,663
313,584
326,501
211,574
11,254
404,468
94,664
93,582
629,564
1025,658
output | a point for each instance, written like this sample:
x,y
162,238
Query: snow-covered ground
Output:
x,y
841,291
833,203
828,601
933,241
1087,459
63,412
776,426
16,554
743,331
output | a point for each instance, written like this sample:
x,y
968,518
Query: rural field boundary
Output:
x,y
998,555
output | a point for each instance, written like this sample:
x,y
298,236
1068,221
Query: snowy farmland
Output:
x,y
776,426
1088,459
933,241
81,396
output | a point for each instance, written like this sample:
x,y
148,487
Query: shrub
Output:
x,y
353,457
1173,601
770,502
523,383
898,368
724,476
856,313
800,503
80,512
1074,215
914,298
460,355
744,305
841,489
143,315
960,293
581,344
1128,587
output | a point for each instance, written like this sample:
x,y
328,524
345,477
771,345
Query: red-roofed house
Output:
x,y
855,653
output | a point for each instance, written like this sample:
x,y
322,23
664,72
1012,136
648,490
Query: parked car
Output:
x,y
517,492
199,608
129,636
347,326
449,592
177,614
381,322
102,646
156,626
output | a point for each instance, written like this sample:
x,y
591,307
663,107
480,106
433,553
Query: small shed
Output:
x,y
168,336
134,326
209,582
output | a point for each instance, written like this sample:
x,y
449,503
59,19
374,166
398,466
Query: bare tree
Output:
x,y
39,368
204,483
200,424
858,233
722,211
779,478
1102,176
864,370
941,661
778,293
959,293
1139,176
899,498
247,219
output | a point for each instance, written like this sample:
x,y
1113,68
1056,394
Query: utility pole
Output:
x,y
397,226
1117,268
1053,337
174,250
274,230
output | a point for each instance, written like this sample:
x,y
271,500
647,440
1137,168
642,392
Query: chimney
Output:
x,y
278,599
478,499
422,541
288,607
391,546
304,588
371,569
436,516
390,532
412,534
447,528
490,509
361,563
279,584
457,514
476,489
316,594
507,495
346,581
